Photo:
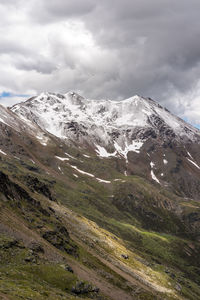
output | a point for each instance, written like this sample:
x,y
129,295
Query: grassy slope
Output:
x,y
170,259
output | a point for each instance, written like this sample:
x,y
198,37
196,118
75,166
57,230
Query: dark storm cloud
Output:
x,y
108,49
159,39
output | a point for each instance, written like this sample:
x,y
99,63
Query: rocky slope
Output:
x,y
98,200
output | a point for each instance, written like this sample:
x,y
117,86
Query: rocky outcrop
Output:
x,y
60,239
35,185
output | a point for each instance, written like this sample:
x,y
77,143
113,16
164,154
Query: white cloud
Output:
x,y
190,111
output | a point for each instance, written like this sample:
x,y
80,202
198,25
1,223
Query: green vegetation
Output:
x,y
130,215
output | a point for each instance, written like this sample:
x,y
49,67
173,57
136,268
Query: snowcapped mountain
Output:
x,y
119,126
149,140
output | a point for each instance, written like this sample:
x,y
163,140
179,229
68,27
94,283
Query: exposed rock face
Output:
x,y
60,239
36,185
12,190
81,288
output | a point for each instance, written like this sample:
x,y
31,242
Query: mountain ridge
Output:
x,y
103,105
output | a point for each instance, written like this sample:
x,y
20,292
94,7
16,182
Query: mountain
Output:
x,y
99,199
104,121
153,142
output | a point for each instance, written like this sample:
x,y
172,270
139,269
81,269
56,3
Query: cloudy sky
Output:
x,y
102,49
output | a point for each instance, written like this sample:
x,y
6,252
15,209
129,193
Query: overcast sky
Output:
x,y
103,49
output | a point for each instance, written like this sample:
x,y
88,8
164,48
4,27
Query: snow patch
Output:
x,y
154,176
2,152
17,157
70,155
62,158
165,161
75,175
43,140
82,172
39,137
189,155
119,179
135,147
87,156
102,152
152,164
59,168
102,180
193,163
